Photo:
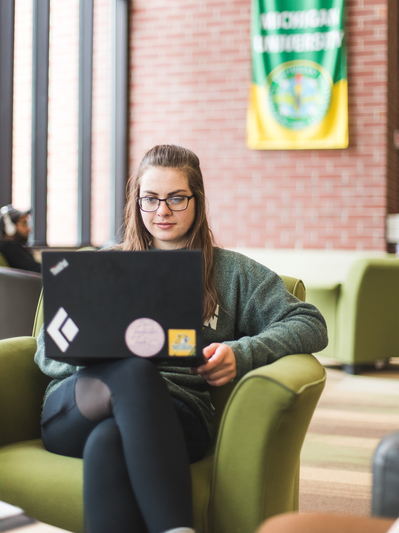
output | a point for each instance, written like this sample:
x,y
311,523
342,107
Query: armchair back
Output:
x,y
19,293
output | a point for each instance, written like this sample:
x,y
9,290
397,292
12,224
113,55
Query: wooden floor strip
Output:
x,y
352,416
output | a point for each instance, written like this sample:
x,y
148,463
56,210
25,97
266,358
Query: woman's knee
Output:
x,y
104,440
135,372
93,398
137,366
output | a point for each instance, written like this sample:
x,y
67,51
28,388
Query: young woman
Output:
x,y
137,427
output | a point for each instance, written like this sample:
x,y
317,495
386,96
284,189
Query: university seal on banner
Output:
x,y
299,94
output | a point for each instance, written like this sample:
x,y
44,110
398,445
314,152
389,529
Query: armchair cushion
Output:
x,y
32,476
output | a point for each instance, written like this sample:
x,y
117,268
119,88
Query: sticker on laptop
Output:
x,y
182,342
145,337
59,267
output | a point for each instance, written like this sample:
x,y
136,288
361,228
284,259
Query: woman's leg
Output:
x,y
64,428
133,392
68,431
110,504
153,443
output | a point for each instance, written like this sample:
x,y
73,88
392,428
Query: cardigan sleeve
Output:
x,y
268,321
50,367
288,327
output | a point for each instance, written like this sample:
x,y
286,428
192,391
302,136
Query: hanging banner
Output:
x,y
299,93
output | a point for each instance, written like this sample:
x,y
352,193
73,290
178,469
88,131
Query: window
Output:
x,y
66,135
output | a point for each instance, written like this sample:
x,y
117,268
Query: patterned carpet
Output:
x,y
353,414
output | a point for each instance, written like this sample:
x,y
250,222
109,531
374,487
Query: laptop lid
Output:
x,y
113,304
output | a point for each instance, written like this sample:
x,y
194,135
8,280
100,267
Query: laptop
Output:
x,y
108,305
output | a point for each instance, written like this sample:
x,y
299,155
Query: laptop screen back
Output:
x,y
112,304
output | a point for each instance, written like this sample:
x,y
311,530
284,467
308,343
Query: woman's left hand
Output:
x,y
221,365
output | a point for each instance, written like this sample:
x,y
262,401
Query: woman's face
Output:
x,y
167,227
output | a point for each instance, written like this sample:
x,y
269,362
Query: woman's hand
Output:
x,y
221,365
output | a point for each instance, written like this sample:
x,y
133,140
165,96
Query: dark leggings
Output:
x,y
136,442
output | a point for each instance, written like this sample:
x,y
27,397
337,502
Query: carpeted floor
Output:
x,y
353,414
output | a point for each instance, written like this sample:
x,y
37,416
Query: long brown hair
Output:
x,y
199,236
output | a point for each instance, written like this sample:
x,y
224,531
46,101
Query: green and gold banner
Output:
x,y
299,93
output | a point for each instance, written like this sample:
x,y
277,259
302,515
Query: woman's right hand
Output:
x,y
221,365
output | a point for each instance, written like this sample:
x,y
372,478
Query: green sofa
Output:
x,y
250,474
361,313
357,293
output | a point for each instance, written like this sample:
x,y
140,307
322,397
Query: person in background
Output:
x,y
138,427
14,234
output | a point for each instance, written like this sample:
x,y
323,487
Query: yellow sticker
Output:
x,y
181,342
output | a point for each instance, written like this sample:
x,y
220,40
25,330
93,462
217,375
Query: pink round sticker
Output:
x,y
145,337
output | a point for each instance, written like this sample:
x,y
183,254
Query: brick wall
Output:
x,y
191,71
189,84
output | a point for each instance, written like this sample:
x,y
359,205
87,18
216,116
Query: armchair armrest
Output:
x,y
259,443
22,387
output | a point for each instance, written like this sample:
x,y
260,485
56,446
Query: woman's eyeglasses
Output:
x,y
175,203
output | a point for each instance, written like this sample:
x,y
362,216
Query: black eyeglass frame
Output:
x,y
188,198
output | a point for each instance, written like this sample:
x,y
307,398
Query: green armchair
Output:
x,y
250,474
361,313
